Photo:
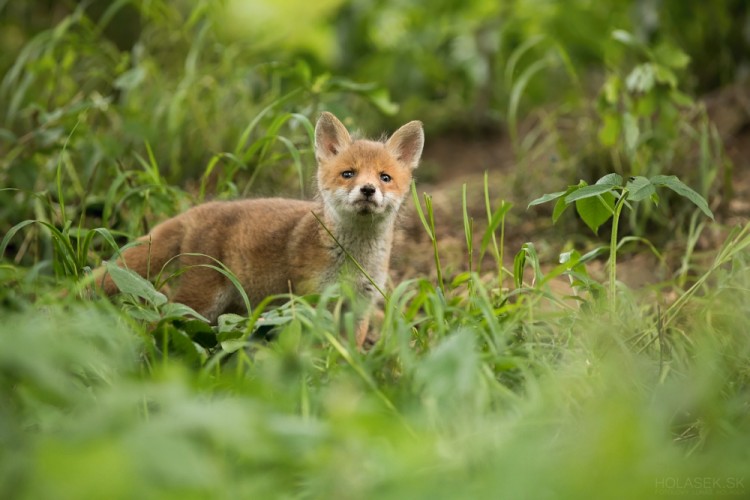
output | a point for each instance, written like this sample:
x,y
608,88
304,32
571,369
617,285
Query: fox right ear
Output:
x,y
331,137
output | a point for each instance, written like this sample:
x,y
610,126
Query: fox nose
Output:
x,y
368,190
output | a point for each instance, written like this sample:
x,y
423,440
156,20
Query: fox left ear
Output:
x,y
406,144
331,137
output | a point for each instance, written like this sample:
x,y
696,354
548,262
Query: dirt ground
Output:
x,y
450,161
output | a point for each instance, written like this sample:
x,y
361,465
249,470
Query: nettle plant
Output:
x,y
604,200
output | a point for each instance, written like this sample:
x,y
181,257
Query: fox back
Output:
x,y
276,246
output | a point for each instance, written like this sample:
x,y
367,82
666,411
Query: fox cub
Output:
x,y
278,245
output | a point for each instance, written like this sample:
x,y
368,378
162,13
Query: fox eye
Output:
x,y
385,177
347,174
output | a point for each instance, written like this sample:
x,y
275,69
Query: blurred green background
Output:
x,y
204,90
204,70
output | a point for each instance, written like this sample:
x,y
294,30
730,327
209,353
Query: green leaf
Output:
x,y
381,99
680,99
626,38
519,262
527,252
230,326
647,104
547,197
130,282
614,180
630,127
679,187
560,206
641,79
175,310
130,79
610,130
639,188
669,55
290,336
596,210
588,192
611,89
666,76
572,262
497,218
12,232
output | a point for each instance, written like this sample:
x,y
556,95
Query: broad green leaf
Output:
x,y
569,261
290,336
180,343
596,210
639,188
561,205
679,187
175,310
614,180
669,55
641,79
230,326
140,313
547,197
233,345
130,282
666,76
588,192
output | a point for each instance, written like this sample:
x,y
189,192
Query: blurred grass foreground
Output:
x,y
486,382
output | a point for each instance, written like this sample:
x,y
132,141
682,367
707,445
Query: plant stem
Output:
x,y
613,253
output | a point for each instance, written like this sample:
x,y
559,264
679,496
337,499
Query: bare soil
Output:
x,y
451,161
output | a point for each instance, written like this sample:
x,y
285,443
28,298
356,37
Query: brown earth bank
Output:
x,y
451,161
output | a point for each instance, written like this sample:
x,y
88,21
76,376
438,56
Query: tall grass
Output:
x,y
465,394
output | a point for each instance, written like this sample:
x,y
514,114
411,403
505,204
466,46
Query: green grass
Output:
x,y
470,391
487,382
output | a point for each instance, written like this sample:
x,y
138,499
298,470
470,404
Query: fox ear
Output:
x,y
406,144
331,137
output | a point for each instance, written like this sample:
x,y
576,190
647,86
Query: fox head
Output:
x,y
361,177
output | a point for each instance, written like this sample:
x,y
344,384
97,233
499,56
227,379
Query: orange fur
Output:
x,y
272,244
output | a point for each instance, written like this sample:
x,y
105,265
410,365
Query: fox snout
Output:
x,y
367,198
368,190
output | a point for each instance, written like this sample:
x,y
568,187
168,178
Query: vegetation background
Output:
x,y
522,355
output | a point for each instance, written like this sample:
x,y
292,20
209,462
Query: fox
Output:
x,y
275,246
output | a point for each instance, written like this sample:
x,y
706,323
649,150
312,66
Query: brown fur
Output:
x,y
277,245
